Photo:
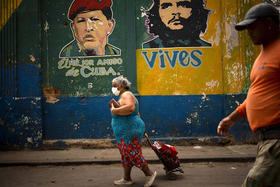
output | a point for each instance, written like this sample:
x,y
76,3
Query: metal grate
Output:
x,y
8,47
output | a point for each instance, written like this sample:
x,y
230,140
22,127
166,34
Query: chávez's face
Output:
x,y
172,11
91,30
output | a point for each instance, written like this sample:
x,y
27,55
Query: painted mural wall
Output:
x,y
86,46
197,53
187,64
182,47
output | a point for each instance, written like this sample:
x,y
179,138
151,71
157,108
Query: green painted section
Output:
x,y
141,7
87,79
28,32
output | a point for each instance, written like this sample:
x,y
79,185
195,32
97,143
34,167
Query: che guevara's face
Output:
x,y
91,30
172,12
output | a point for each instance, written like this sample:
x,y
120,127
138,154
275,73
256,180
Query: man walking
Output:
x,y
262,105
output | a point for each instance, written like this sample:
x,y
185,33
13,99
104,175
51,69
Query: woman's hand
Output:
x,y
113,109
127,105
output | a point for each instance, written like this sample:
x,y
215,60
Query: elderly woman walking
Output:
x,y
129,129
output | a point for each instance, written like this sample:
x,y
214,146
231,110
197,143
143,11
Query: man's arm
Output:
x,y
226,123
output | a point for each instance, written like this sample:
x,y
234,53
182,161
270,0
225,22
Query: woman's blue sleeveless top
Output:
x,y
129,126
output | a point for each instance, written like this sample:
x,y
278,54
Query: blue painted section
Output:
x,y
76,117
29,80
241,129
20,122
164,116
191,115
21,116
176,116
26,120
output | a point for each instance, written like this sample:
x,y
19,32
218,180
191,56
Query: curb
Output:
x,y
108,162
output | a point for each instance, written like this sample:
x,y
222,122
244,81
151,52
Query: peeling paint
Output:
x,y
212,83
25,120
202,139
104,95
235,72
1,122
23,98
188,121
193,119
46,28
143,12
30,140
204,96
231,37
194,115
237,103
76,126
33,102
218,34
32,58
51,94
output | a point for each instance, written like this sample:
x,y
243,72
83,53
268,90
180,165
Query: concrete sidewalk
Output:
x,y
78,156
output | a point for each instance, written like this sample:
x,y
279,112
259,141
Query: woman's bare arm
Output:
x,y
127,105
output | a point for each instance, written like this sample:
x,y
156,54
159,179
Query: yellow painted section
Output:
x,y
186,80
224,68
180,80
7,9
238,49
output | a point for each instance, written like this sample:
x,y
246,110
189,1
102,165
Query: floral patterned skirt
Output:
x,y
131,154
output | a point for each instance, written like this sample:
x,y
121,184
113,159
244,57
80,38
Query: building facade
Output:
x,y
188,71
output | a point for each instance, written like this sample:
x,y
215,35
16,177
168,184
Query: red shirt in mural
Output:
x,y
262,105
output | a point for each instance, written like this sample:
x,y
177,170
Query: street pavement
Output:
x,y
79,156
202,174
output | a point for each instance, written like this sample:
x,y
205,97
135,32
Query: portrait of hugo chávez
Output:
x,y
91,24
176,23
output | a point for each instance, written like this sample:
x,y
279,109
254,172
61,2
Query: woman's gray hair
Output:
x,y
121,80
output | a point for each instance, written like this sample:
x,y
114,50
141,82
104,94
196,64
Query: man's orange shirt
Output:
x,y
262,105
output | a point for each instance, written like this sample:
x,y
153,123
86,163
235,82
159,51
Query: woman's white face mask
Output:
x,y
115,91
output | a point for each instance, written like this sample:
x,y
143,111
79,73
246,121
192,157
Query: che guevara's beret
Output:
x,y
78,6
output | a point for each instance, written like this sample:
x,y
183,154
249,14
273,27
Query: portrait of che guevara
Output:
x,y
176,23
